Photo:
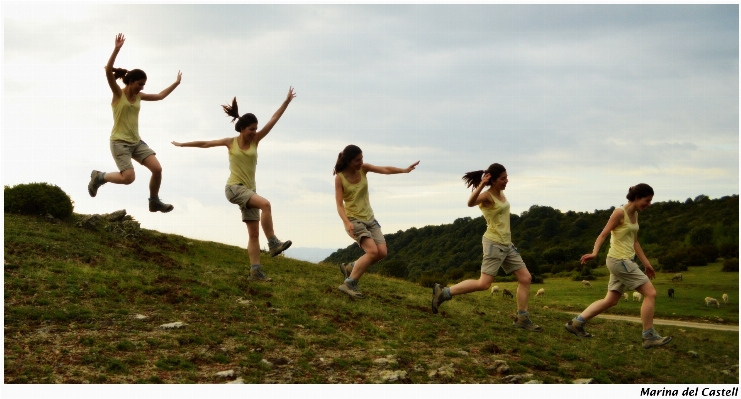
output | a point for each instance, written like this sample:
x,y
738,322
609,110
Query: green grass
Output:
x,y
70,297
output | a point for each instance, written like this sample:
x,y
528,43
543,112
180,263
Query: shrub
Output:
x,y
38,199
729,250
672,263
429,280
730,265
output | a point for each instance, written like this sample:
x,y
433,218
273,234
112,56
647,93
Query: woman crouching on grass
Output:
x,y
241,188
624,272
353,206
497,242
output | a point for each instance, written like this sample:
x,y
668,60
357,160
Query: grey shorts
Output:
x,y
370,229
497,255
624,275
240,195
123,152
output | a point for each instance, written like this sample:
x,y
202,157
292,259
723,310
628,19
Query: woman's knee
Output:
x,y
128,176
524,278
381,253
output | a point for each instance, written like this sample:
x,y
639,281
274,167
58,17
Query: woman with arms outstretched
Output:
x,y
241,187
125,141
353,207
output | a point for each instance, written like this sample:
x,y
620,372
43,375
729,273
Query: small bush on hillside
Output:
x,y
730,265
729,250
672,262
38,199
429,280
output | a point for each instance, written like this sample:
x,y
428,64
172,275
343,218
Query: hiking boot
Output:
x,y
346,269
576,327
156,205
96,180
656,340
351,289
278,246
523,321
258,275
437,297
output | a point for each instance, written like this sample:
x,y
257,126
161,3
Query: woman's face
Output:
x,y
249,132
501,182
137,85
357,162
643,203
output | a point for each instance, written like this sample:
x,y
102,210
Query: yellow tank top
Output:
x,y
355,196
623,237
497,221
242,164
126,120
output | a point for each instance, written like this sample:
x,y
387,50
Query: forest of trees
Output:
x,y
673,235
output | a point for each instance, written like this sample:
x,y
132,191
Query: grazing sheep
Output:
x,y
625,296
495,289
540,292
585,283
671,292
506,292
725,298
637,297
677,277
709,301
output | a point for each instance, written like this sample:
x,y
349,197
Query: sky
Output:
x,y
578,102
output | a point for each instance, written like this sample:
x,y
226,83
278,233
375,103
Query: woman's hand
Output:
x,y
485,179
350,230
176,144
291,95
587,257
650,272
180,74
411,167
120,39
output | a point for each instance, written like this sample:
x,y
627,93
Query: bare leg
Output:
x,y
611,299
253,243
154,166
649,302
125,177
523,288
373,253
266,216
466,286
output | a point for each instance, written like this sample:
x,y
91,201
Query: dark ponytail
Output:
x,y
233,111
344,158
641,190
129,76
473,179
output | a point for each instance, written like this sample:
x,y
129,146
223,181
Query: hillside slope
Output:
x,y
71,297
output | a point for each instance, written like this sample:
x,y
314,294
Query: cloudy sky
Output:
x,y
577,102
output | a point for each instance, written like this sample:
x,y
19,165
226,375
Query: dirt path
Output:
x,y
678,323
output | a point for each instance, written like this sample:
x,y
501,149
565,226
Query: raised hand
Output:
x,y
485,179
120,39
180,74
176,144
411,167
291,95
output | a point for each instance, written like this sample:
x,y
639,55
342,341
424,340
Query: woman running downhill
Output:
x,y
125,141
241,188
624,272
499,251
353,206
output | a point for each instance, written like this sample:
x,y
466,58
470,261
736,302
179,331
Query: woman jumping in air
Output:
x,y
624,272
125,141
353,206
497,242
241,188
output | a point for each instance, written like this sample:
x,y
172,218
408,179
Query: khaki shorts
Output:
x,y
624,275
498,255
370,229
240,195
123,152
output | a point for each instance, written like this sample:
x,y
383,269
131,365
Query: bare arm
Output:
x,y
615,219
650,272
164,93
276,116
338,191
476,196
120,39
226,142
388,170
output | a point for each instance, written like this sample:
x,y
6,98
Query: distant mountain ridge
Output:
x,y
551,241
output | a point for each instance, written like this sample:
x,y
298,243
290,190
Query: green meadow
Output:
x,y
71,300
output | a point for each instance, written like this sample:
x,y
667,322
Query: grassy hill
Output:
x,y
71,297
